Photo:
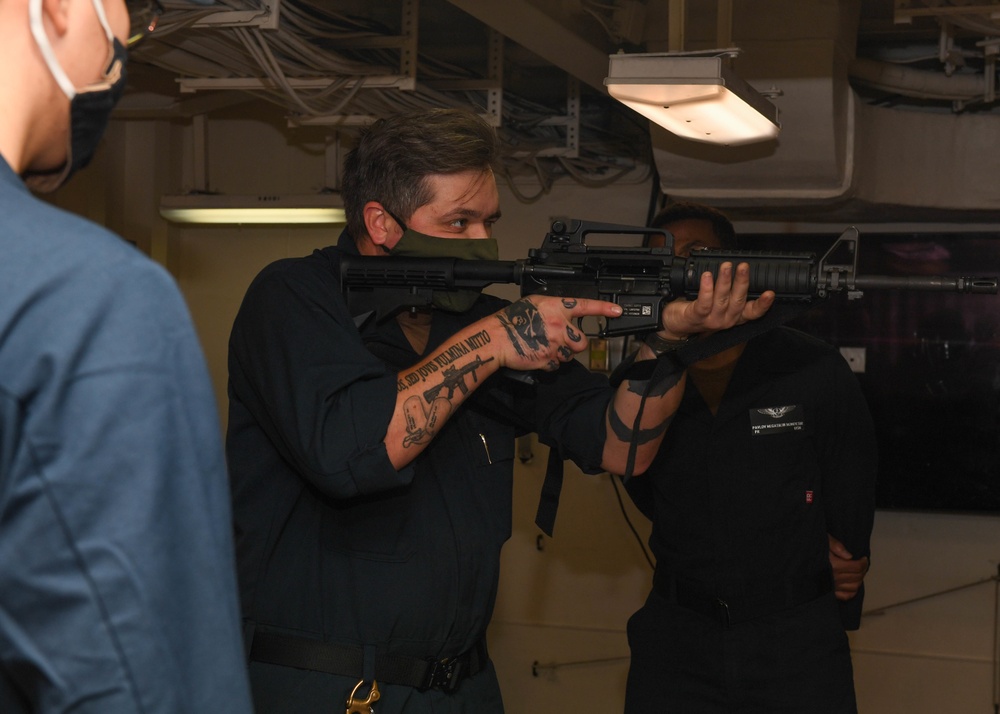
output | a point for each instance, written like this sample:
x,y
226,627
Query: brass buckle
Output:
x,y
362,706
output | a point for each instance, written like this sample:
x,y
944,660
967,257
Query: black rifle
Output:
x,y
640,279
454,378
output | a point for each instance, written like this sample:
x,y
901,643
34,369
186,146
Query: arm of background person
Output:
x,y
721,303
848,572
849,453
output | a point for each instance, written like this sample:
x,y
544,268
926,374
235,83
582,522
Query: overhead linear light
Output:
x,y
221,208
694,95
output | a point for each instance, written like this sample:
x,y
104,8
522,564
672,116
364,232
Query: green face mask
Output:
x,y
417,245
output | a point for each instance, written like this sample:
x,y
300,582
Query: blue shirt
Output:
x,y
117,584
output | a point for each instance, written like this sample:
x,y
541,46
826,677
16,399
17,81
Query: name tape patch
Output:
x,y
776,420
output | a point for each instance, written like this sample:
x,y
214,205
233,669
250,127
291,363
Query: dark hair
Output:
x,y
394,156
721,226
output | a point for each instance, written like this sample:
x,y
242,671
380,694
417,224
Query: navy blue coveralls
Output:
x,y
334,544
742,617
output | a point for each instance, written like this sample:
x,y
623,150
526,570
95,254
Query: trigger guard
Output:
x,y
601,322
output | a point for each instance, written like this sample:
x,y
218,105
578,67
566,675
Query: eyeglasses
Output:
x,y
143,15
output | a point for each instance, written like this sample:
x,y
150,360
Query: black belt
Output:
x,y
731,610
348,661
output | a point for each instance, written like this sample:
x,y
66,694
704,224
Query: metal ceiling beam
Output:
x,y
250,84
534,30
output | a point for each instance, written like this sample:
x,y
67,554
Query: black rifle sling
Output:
x,y
669,362
548,501
779,314
653,372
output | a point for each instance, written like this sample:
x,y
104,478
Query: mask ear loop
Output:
x,y
103,19
42,40
396,218
45,47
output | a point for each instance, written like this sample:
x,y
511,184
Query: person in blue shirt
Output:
x,y
117,579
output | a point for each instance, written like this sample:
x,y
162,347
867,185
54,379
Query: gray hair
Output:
x,y
394,156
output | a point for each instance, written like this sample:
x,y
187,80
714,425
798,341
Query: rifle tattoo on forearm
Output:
x,y
422,422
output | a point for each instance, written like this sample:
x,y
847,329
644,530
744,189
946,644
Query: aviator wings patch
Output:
x,y
776,412
776,420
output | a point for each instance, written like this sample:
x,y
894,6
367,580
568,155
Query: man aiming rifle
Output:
x,y
369,519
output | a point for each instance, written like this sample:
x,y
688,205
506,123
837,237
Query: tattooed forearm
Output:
x,y
454,378
426,411
444,358
624,432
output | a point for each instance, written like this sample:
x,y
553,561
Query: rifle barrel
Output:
x,y
936,283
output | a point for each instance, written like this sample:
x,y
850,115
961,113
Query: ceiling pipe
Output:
x,y
916,83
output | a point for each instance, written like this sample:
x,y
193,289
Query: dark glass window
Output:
x,y
931,365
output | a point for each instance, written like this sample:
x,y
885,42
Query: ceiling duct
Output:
x,y
803,58
919,143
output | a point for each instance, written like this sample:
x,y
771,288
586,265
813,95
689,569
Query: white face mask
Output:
x,y
90,107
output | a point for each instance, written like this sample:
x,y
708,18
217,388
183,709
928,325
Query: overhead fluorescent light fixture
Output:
x,y
693,95
281,209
